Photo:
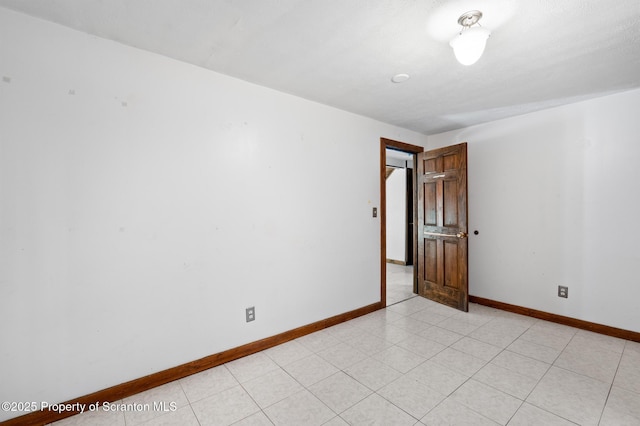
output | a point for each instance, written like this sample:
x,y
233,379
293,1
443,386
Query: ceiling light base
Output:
x,y
469,18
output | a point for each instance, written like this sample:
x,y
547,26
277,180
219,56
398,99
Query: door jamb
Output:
x,y
413,149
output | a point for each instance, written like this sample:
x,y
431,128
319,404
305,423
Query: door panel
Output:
x,y
442,222
430,271
430,197
450,203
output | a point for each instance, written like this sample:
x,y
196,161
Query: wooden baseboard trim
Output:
x,y
142,384
573,322
397,262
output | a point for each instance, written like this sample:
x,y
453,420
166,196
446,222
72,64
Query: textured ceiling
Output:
x,y
343,53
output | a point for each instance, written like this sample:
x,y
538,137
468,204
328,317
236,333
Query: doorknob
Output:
x,y
461,235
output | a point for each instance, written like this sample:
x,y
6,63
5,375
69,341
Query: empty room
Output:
x,y
197,224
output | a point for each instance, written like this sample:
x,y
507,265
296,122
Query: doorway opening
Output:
x,y
398,211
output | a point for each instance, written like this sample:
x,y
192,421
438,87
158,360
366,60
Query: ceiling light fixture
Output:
x,y
469,44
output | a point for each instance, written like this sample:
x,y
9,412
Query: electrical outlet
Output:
x,y
563,291
251,314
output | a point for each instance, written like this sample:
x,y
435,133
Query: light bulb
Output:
x,y
469,44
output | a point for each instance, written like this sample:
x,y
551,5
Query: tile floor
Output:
x,y
399,283
413,363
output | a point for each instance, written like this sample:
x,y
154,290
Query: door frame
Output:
x,y
412,149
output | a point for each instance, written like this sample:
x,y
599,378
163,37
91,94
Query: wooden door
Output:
x,y
442,225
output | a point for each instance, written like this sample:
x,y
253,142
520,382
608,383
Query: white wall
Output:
x,y
396,195
145,203
554,195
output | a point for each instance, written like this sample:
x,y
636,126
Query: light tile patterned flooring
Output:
x,y
399,283
413,363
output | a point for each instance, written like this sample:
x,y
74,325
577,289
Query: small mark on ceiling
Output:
x,y
6,79
400,78
72,92
123,103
